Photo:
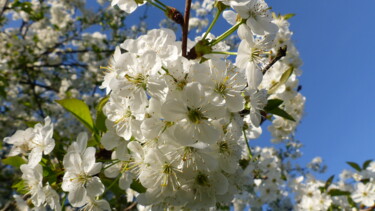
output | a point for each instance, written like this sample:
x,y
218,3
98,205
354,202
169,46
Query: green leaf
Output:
x,y
100,117
351,202
15,161
115,189
21,187
354,166
329,181
31,123
337,192
281,113
289,16
137,186
80,110
272,104
366,164
284,77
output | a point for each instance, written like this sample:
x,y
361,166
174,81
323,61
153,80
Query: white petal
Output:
x,y
173,110
230,16
235,102
112,171
82,141
207,133
254,75
78,197
184,133
35,156
110,140
193,95
94,187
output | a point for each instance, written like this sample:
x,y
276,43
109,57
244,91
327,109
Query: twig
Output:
x,y
280,54
185,28
4,8
131,206
39,85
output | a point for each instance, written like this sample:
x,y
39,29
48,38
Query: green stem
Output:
x,y
152,3
247,144
114,182
225,52
226,34
161,3
217,15
118,161
63,202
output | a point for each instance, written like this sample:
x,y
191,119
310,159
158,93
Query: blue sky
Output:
x,y
336,42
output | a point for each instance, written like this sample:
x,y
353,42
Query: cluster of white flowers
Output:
x,y
266,173
178,125
177,128
79,179
48,53
351,188
35,142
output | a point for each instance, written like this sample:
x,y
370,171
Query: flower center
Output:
x,y
195,115
202,179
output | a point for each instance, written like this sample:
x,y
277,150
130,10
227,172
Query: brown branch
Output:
x,y
131,206
280,54
185,28
40,85
4,8
369,208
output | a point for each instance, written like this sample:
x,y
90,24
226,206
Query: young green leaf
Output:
x,y
100,117
15,161
21,187
284,77
289,16
366,164
354,166
337,192
351,202
137,186
80,110
272,104
329,182
281,113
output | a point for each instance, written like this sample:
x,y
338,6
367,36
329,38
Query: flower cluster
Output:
x,y
180,126
174,127
352,188
35,142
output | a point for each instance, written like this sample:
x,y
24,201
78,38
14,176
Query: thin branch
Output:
x,y
60,65
185,28
36,96
39,85
280,54
131,206
4,8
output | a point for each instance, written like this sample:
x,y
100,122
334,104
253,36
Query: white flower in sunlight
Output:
x,y
96,205
42,142
52,197
20,141
364,194
127,5
258,100
258,17
79,179
192,112
33,177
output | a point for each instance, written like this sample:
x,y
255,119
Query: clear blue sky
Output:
x,y
336,42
